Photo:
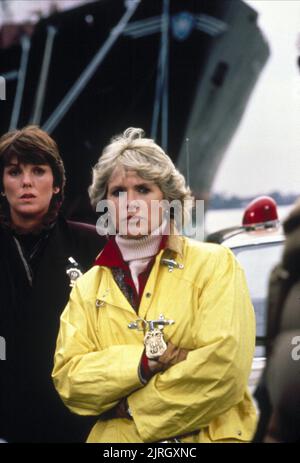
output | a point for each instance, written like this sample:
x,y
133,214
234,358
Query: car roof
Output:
x,y
240,236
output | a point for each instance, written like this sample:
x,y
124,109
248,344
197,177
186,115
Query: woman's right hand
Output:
x,y
170,357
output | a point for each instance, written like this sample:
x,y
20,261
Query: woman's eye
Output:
x,y
143,189
14,172
117,192
39,170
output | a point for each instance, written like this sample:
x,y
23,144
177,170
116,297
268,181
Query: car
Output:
x,y
257,244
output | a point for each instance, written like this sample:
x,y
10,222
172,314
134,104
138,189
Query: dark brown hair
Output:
x,y
32,145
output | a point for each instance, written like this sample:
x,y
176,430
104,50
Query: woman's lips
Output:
x,y
27,196
134,218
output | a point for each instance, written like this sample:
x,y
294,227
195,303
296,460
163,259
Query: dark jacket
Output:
x,y
30,408
283,320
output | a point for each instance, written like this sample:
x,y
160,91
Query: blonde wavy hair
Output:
x,y
142,155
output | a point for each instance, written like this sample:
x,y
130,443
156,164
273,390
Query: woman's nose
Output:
x,y
26,179
130,197
132,202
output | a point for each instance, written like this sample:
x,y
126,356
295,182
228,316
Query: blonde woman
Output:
x,y
158,337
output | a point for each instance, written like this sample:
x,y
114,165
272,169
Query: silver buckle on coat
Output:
x,y
171,264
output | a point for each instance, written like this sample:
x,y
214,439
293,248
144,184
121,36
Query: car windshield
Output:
x,y
258,262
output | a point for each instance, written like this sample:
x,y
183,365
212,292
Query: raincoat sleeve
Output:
x,y
214,376
91,381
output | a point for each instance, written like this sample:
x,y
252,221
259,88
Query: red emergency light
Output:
x,y
262,211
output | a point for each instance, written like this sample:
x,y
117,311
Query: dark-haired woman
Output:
x,y
35,246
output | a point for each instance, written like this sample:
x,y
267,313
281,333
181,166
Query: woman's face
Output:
x,y
136,212
28,189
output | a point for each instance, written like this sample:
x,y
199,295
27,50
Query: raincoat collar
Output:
x,y
111,256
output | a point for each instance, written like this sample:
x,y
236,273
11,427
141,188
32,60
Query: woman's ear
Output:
x,y
56,190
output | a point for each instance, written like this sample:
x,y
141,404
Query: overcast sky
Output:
x,y
265,152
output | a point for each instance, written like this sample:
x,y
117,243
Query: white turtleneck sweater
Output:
x,y
137,252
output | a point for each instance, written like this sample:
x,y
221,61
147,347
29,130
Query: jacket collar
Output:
x,y
109,292
175,241
111,256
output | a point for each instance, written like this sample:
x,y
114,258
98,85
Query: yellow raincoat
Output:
x,y
203,398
